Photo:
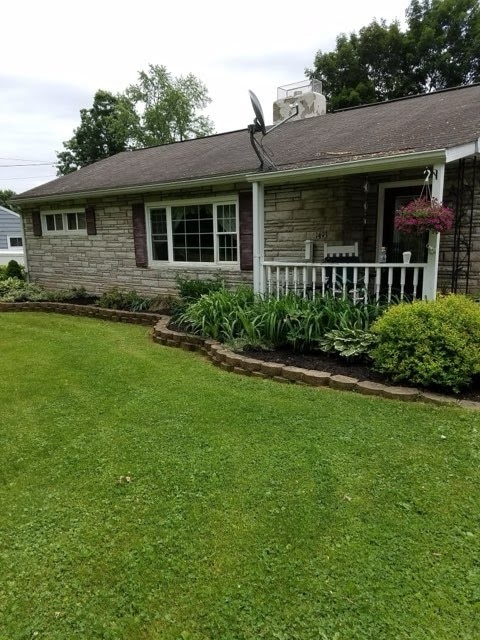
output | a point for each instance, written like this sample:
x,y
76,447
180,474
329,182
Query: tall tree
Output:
x,y
157,110
5,196
445,35
105,129
168,107
440,48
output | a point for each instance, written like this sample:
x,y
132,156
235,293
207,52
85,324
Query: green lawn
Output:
x,y
255,509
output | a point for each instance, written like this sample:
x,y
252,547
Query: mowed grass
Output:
x,y
255,509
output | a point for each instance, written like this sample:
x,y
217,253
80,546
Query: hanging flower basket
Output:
x,y
424,214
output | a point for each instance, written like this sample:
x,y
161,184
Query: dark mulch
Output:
x,y
336,366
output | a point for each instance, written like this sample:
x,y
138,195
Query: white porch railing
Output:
x,y
359,281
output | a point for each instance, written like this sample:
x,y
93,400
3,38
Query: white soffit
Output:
x,y
463,150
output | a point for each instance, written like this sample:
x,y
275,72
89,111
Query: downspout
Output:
x,y
25,258
258,237
430,276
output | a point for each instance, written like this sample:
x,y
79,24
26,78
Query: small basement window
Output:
x,y
65,222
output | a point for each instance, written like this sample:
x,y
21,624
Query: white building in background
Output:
x,y
11,237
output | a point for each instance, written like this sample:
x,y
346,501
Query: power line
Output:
x,y
26,177
31,164
24,160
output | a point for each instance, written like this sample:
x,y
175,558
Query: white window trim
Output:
x,y
168,204
9,243
64,231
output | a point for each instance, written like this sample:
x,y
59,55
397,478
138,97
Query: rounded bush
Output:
x,y
430,343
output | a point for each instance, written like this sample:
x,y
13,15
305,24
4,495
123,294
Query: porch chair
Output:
x,y
337,252
333,253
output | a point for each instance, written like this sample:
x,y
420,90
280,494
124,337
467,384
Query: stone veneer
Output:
x,y
326,210
107,259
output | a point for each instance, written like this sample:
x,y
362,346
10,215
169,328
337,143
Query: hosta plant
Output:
x,y
355,344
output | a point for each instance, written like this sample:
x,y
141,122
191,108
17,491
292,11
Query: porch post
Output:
x,y
430,275
258,237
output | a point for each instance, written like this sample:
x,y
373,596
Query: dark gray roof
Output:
x,y
439,120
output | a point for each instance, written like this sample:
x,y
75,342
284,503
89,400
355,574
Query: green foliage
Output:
x,y
16,290
5,199
168,107
14,270
433,344
354,344
125,300
439,49
444,36
158,109
290,320
105,129
191,289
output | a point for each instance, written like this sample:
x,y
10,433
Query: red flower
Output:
x,y
422,215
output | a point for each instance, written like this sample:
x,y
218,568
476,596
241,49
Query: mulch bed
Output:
x,y
335,366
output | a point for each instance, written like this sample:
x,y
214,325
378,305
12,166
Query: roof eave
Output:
x,y
383,163
143,188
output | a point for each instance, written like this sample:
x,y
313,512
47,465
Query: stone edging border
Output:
x,y
231,361
132,317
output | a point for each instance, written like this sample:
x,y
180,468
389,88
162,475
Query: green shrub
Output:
x,y
124,300
354,344
15,290
14,270
190,289
433,344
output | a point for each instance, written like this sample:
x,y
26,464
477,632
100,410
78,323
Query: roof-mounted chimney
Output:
x,y
307,94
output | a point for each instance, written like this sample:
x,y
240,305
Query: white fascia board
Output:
x,y
463,151
145,188
384,163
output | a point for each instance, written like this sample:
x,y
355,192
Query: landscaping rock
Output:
x,y
368,388
342,382
400,393
316,378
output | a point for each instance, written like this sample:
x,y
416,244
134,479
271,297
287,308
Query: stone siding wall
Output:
x,y
327,210
105,260
313,211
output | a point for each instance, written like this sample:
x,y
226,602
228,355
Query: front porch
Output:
x,y
293,220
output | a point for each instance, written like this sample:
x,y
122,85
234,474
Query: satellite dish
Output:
x,y
259,121
258,126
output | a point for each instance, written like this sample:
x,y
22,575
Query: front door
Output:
x,y
394,241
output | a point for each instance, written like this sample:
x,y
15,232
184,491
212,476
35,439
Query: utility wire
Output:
x,y
27,177
30,164
23,160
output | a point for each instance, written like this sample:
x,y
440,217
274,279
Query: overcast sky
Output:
x,y
56,54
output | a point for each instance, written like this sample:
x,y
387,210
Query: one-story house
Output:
x,y
204,207
11,238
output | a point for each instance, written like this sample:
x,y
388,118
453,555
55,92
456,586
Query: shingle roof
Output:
x,y
439,120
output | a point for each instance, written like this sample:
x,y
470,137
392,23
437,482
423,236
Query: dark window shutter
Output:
x,y
36,223
139,235
90,220
245,202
